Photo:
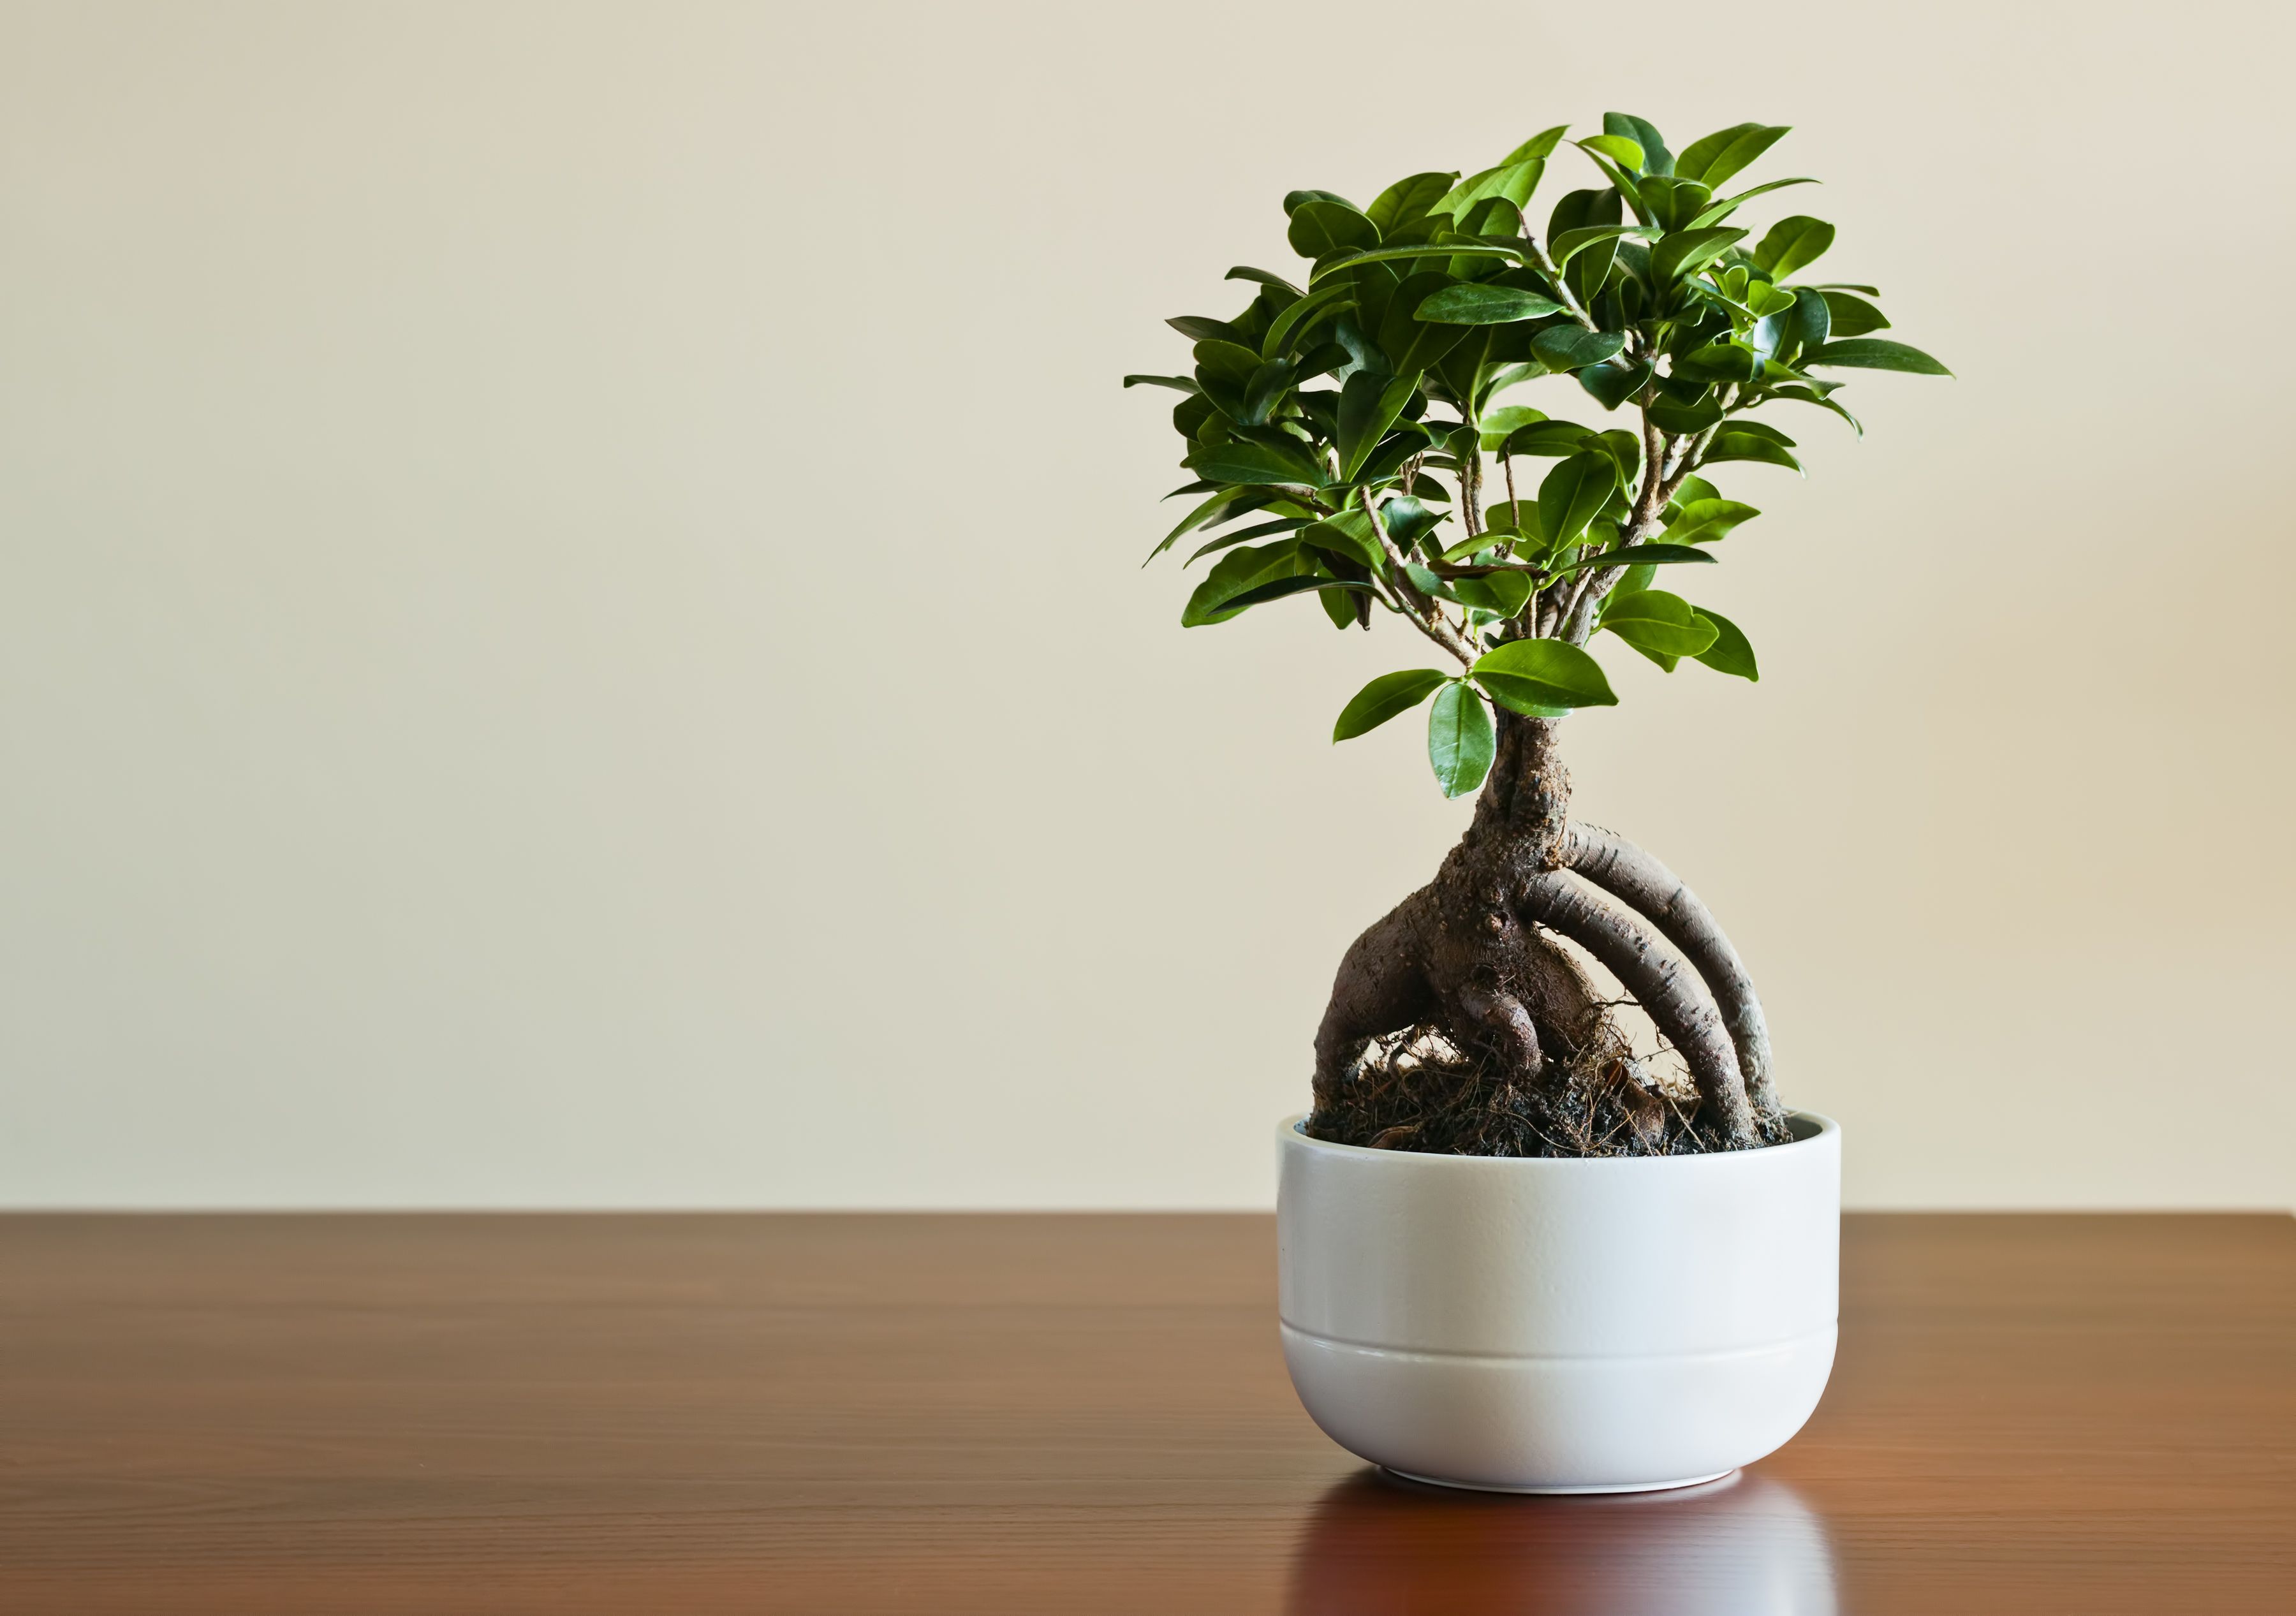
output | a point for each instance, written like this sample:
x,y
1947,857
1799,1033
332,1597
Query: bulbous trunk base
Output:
x,y
1459,1023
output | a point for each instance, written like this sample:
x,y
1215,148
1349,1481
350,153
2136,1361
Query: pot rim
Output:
x,y
1291,1134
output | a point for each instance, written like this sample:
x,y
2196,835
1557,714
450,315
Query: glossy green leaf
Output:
x,y
1547,438
1682,419
1186,384
1226,501
1243,462
1407,520
1875,353
1731,652
1674,202
1569,348
1692,250
1703,521
1653,620
1551,675
1408,199
1293,200
1852,315
1304,317
1244,535
1237,573
1498,422
1637,555
1196,328
1655,157
1383,697
1347,534
1792,243
1460,742
1368,407
1734,443
1459,247
1505,592
1717,212
1512,181
1574,492
1273,281
1612,385
1721,154
1625,152
1280,588
1570,244
1475,303
1319,227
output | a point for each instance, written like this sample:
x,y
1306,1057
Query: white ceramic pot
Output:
x,y
1603,1324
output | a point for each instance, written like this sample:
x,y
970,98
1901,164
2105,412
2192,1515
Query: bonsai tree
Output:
x,y
1346,436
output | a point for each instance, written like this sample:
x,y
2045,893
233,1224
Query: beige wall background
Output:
x,y
571,633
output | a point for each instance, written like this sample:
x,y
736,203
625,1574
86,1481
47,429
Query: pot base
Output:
x,y
1559,1492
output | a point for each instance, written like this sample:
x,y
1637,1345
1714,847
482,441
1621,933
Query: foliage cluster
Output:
x,y
1354,417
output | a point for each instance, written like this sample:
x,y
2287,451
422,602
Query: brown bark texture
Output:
x,y
1460,1023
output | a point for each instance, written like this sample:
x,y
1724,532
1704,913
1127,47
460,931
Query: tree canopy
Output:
x,y
1345,440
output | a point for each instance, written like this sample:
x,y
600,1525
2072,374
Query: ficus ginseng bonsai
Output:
x,y
1333,411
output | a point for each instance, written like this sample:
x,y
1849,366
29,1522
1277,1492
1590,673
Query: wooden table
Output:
x,y
1069,1414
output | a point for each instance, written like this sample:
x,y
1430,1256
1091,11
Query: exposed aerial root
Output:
x,y
1651,890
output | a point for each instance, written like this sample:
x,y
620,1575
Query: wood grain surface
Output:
x,y
1073,1414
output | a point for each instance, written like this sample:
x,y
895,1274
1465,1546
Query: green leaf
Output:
x,y
1549,438
1733,442
1612,385
1235,574
1244,535
1513,181
1674,202
1505,592
1276,589
1318,227
1691,250
1541,145
1368,407
1723,153
1461,247
1408,199
1663,624
1212,510
1293,200
1347,534
1242,462
1383,697
1717,211
1875,353
1498,422
1186,384
1573,494
1792,243
1301,316
1619,149
1812,320
1639,555
1703,521
1407,520
1852,315
1655,157
1730,652
1245,272
1682,419
1196,328
1475,303
1569,244
1544,677
1460,743
1569,348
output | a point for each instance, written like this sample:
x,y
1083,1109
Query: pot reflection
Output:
x,y
1744,1544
